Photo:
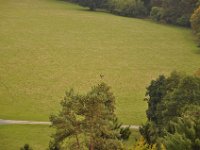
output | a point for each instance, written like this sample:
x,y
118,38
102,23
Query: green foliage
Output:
x,y
183,20
173,112
184,131
156,3
142,145
90,117
93,4
124,133
169,11
26,147
186,93
157,91
157,13
177,141
54,146
174,11
68,121
147,4
131,8
150,132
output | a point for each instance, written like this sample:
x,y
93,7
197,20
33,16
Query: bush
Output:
x,y
183,21
93,4
131,8
174,11
26,147
156,13
142,145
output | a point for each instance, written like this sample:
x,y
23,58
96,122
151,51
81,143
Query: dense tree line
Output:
x,y
131,8
176,12
173,112
169,11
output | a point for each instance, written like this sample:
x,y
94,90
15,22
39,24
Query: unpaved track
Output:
x,y
136,127
5,122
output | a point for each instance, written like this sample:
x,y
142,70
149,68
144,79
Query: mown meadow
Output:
x,y
49,46
15,136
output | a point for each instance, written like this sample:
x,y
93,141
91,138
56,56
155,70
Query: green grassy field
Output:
x,y
48,46
37,136
15,136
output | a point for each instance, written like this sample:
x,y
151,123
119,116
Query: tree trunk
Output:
x,y
91,144
78,143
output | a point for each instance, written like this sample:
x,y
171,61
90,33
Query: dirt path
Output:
x,y
4,122
136,127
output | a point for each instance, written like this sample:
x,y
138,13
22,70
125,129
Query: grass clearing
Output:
x,y
15,136
48,46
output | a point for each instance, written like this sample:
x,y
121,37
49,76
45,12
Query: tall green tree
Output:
x,y
172,117
88,121
157,91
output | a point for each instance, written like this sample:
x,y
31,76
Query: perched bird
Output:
x,y
101,76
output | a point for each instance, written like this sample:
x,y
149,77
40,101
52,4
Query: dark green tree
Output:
x,y
184,132
93,4
157,91
175,11
147,4
173,112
